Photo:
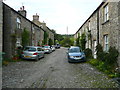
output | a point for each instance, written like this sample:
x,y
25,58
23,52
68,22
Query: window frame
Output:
x,y
18,20
106,43
106,13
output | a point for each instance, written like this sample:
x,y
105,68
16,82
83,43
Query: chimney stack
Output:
x,y
35,17
22,11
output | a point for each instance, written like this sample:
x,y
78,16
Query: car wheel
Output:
x,y
43,56
69,61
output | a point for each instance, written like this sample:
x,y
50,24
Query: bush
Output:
x,y
88,53
106,62
101,55
111,57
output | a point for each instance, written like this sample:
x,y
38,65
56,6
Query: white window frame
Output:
x,y
18,23
106,13
106,43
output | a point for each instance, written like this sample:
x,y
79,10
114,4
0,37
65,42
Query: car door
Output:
x,y
39,52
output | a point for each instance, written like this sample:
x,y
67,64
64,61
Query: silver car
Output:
x,y
32,52
47,49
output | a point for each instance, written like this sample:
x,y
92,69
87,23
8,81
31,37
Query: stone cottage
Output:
x,y
102,27
44,27
15,24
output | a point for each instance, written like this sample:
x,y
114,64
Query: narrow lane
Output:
x,y
54,71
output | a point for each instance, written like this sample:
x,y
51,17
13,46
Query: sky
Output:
x,y
59,15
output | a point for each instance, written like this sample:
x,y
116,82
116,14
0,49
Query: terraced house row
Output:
x,y
102,27
16,30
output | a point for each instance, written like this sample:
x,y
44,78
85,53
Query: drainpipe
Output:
x,y
98,27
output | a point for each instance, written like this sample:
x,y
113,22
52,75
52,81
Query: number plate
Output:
x,y
27,56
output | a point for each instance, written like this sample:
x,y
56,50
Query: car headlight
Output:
x,y
83,55
71,56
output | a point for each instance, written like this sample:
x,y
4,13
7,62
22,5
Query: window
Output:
x,y
106,13
18,23
106,43
33,29
39,49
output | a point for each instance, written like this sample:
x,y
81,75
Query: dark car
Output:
x,y
75,54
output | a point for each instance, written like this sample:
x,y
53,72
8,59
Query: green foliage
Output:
x,y
94,62
100,65
106,62
67,42
58,38
45,37
25,37
83,41
38,44
50,42
101,55
88,53
78,40
111,57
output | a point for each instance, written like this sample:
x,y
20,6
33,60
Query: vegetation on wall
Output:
x,y
50,42
45,37
83,41
25,37
78,40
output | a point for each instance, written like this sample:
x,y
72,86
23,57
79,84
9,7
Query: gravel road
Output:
x,y
54,71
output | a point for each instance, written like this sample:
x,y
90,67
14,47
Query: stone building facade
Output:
x,y
104,27
14,24
1,25
44,27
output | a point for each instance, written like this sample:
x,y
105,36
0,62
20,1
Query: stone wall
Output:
x,y
119,33
110,27
1,25
7,31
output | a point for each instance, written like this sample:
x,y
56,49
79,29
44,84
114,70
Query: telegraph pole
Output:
x,y
67,30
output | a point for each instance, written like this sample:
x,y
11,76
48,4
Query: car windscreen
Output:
x,y
29,49
73,50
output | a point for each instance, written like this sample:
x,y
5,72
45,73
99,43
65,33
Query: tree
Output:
x,y
66,42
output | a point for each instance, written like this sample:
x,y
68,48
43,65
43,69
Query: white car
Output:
x,y
47,49
32,52
53,48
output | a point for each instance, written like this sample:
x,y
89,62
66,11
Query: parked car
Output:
x,y
32,52
53,48
75,54
47,49
57,46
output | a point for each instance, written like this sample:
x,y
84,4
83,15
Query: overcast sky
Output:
x,y
58,14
